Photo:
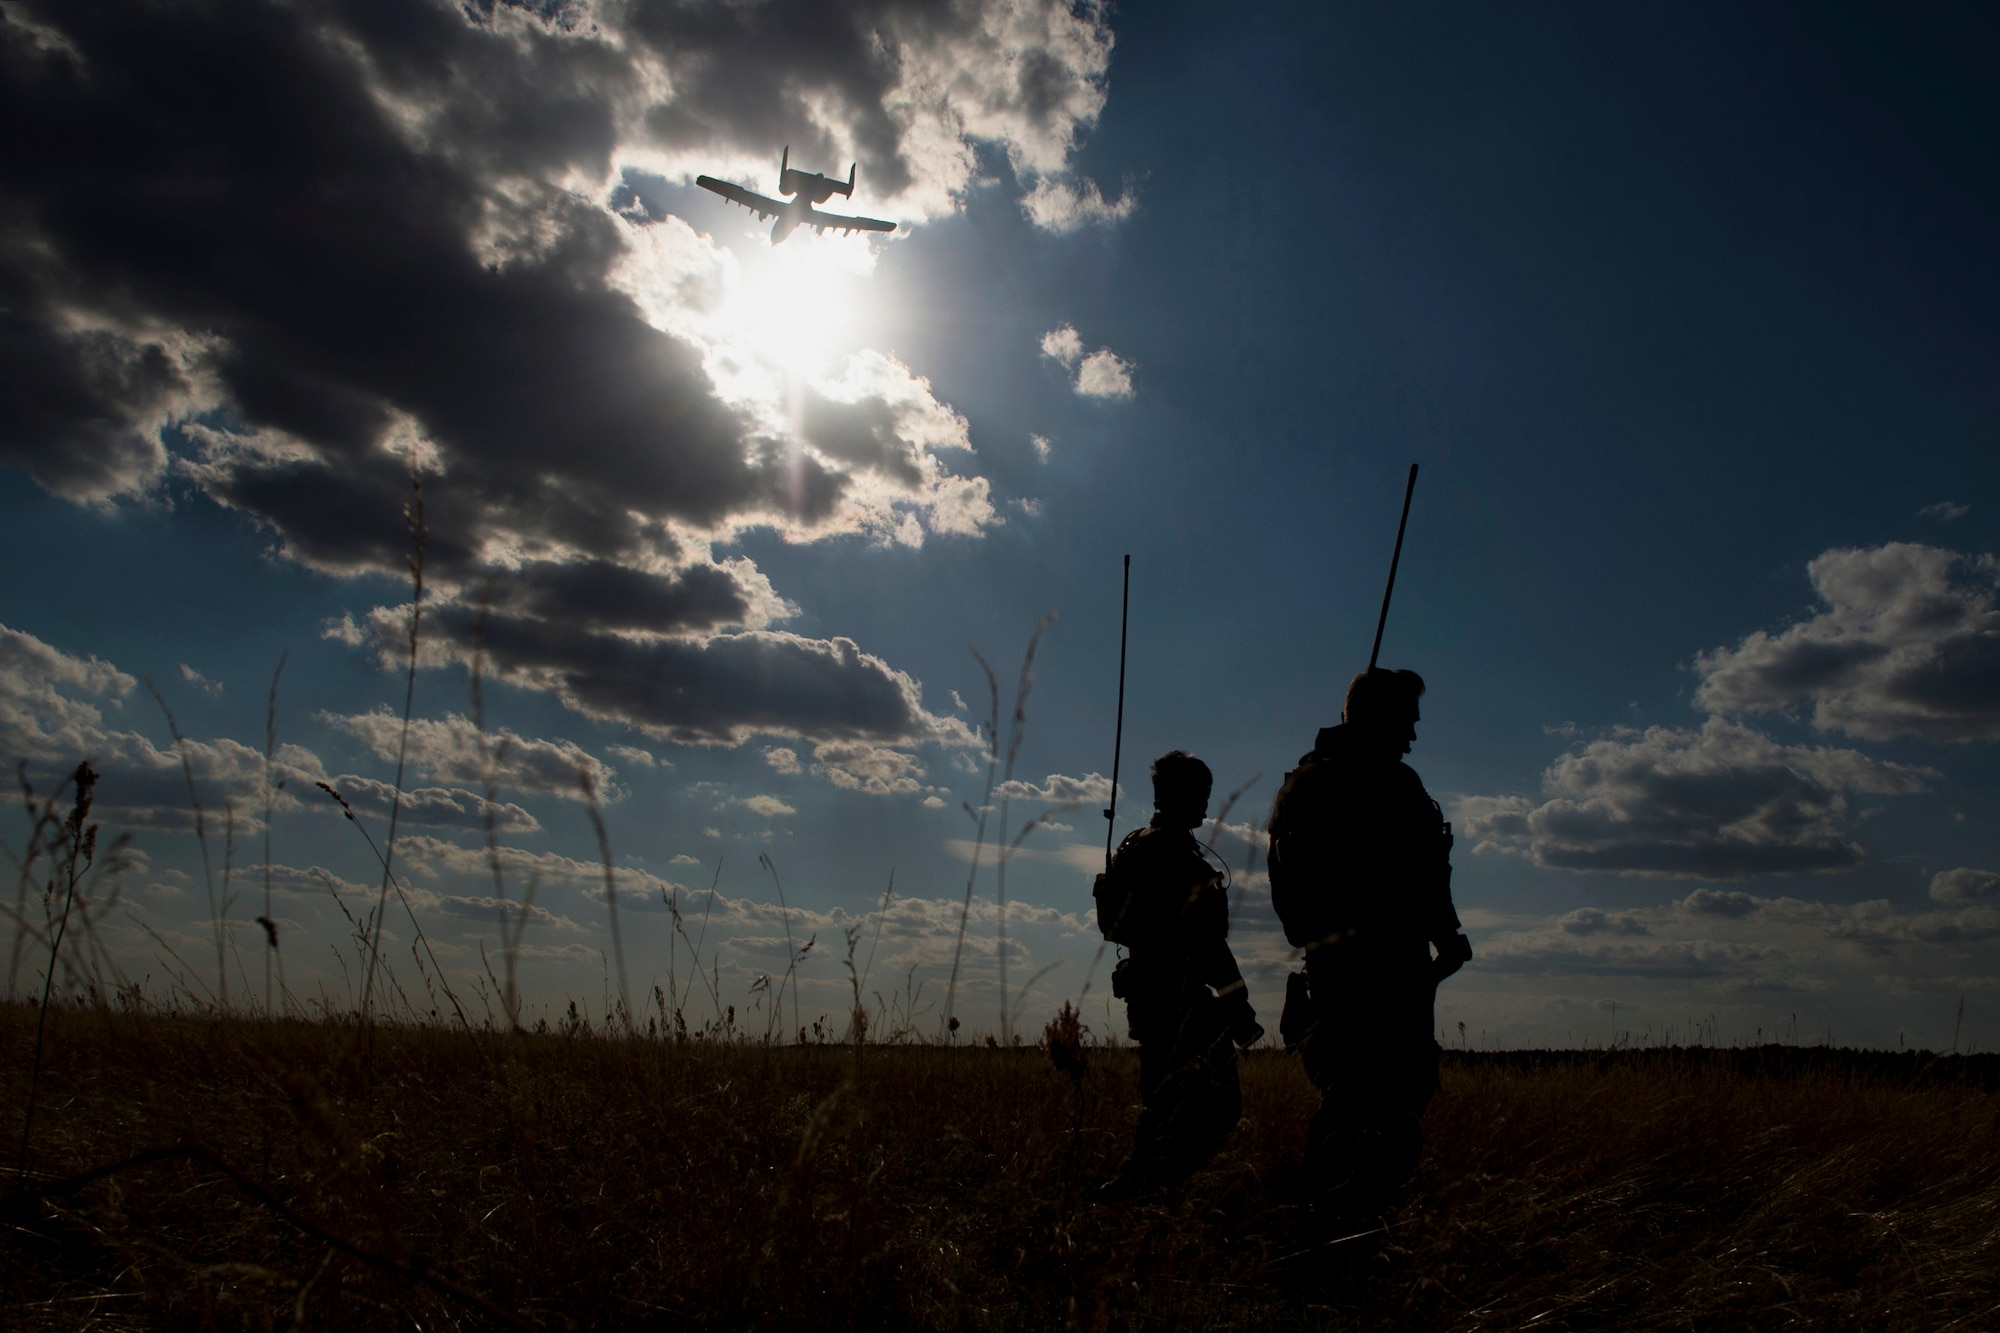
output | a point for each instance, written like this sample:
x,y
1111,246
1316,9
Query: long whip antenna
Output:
x,y
1383,619
1118,736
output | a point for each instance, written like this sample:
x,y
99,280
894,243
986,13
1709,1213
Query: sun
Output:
x,y
802,305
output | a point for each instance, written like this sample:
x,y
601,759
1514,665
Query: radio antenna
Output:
x,y
1118,735
1381,620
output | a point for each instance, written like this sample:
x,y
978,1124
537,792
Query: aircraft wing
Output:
x,y
736,194
815,218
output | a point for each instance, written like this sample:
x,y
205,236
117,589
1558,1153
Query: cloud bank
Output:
x,y
1719,802
1907,644
290,256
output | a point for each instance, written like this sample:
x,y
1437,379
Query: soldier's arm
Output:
x,y
1441,921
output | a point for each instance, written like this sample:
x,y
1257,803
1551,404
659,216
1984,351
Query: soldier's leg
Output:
x,y
1391,1143
1160,1028
1193,1097
1331,1135
1214,1102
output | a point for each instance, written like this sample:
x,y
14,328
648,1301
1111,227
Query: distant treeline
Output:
x,y
1909,1068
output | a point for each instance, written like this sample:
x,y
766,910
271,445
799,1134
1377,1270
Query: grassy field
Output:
x,y
313,1175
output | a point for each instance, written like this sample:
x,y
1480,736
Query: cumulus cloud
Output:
x,y
1102,374
1964,885
449,749
470,302
768,806
1064,206
1592,921
877,770
633,755
1058,789
52,714
783,759
1907,644
1041,446
1713,902
1944,511
1721,802
1063,344
211,688
438,807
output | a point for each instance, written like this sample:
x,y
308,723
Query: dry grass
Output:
x,y
577,1181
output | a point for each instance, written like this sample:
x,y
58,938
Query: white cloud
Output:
x,y
449,749
1907,644
783,759
1722,802
1063,344
1104,374
1064,206
1058,789
1964,885
876,769
211,688
633,755
1944,511
767,806
604,544
1041,446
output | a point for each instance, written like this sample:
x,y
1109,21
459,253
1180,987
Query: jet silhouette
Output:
x,y
806,188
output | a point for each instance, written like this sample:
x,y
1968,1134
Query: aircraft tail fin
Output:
x,y
784,159
849,191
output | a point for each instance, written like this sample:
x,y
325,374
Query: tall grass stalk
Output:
x,y
80,849
267,921
948,1021
491,757
413,516
584,781
371,933
218,913
1003,849
43,822
793,955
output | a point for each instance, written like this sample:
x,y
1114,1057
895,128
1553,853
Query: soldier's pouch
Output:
x,y
1297,1020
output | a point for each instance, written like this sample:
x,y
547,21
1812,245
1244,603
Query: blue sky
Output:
x,y
1687,316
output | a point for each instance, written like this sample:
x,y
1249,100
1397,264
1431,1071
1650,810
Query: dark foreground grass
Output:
x,y
452,1180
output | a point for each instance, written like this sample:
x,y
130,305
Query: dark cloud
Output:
x,y
1711,902
602,595
1723,802
1965,885
721,690
81,412
310,247
1907,644
1594,921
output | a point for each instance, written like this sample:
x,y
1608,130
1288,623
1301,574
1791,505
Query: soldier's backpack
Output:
x,y
1115,892
1297,820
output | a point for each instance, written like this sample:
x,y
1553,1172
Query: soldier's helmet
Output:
x,y
1380,696
1181,782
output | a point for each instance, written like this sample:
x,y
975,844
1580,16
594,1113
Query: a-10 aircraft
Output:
x,y
806,188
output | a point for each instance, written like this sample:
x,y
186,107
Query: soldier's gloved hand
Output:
x,y
1453,954
1244,1029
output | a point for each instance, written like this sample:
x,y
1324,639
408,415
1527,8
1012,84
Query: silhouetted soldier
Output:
x,y
1185,1000
1361,880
